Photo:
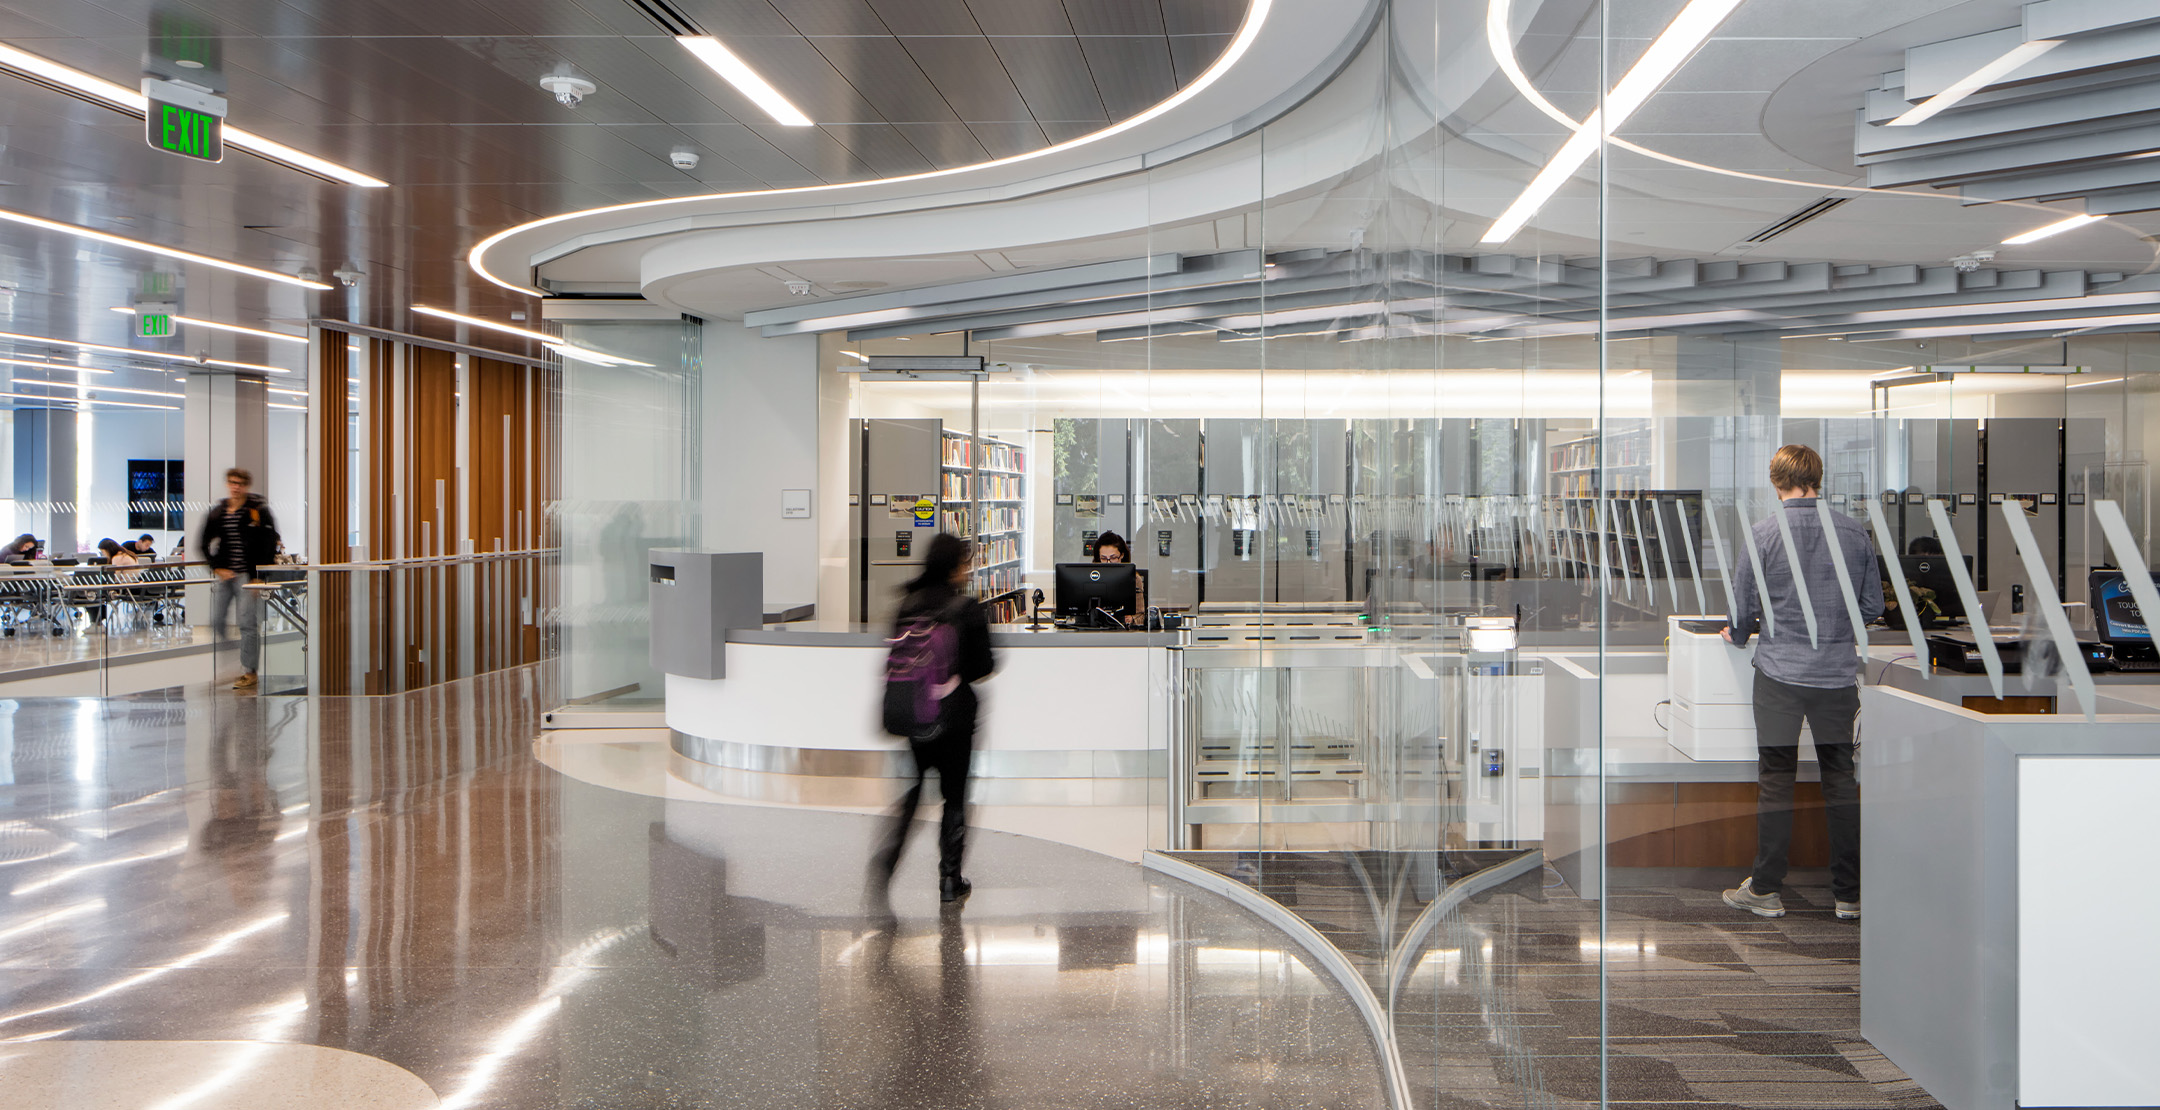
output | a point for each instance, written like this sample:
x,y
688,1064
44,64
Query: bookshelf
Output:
x,y
995,521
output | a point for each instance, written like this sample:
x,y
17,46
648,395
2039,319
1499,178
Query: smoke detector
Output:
x,y
1967,263
799,287
683,159
569,91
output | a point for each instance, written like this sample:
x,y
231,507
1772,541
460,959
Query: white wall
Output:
x,y
115,436
761,437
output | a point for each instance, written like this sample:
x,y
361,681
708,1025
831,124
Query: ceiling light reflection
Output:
x,y
1973,82
156,249
212,950
2056,228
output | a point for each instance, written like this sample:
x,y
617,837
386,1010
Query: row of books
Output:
x,y
995,487
1003,549
996,518
960,451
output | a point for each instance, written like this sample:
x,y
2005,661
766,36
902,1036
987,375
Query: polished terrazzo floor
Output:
x,y
399,878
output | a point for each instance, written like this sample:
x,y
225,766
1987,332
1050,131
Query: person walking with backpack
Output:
x,y
940,649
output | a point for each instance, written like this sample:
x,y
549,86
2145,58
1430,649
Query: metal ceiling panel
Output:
x,y
1065,131
1191,55
1203,17
889,77
932,17
1116,17
968,73
1054,77
1022,17
1003,140
834,17
737,21
882,147
1132,73
945,144
818,152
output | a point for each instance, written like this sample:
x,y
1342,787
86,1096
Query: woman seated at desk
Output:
x,y
1112,548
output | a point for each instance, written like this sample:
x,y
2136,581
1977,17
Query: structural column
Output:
x,y
227,426
45,480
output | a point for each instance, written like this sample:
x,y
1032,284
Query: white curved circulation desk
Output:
x,y
1081,715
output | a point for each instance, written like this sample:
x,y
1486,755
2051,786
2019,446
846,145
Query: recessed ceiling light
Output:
x,y
235,328
738,73
1666,55
1973,82
552,342
153,248
2056,228
130,100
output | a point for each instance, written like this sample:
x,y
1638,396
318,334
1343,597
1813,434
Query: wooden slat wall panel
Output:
x,y
440,474
331,505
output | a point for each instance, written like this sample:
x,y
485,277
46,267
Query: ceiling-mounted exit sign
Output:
x,y
184,120
155,321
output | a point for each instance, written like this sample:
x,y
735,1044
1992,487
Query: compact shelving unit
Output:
x,y
1000,535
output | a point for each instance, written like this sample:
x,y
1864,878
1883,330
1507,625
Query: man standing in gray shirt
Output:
x,y
1806,669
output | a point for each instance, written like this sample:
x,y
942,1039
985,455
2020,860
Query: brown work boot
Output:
x,y
245,682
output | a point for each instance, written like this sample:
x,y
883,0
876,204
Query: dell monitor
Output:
x,y
1932,573
1097,595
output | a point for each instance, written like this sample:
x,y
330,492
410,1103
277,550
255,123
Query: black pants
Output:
x,y
950,755
1831,713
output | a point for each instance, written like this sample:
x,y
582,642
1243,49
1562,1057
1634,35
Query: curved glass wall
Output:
x,y
1442,421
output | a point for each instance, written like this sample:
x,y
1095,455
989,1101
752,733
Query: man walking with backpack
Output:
x,y
941,647
238,537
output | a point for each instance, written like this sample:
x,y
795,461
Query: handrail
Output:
x,y
435,560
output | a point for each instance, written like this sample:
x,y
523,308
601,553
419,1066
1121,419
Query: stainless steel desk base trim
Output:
x,y
894,763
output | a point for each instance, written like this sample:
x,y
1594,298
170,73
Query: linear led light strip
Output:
x,y
2056,228
153,248
158,355
49,399
1973,82
88,388
551,342
130,100
234,328
62,366
1256,13
1666,55
738,73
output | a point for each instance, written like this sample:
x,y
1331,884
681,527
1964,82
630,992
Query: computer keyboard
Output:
x,y
1703,627
2142,665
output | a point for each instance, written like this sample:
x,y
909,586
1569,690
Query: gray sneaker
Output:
x,y
1761,905
1848,911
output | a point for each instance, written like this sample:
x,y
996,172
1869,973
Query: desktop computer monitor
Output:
x,y
1086,590
2115,612
1931,572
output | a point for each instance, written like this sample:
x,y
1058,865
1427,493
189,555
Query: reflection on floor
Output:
x,y
400,878
1706,1006
33,647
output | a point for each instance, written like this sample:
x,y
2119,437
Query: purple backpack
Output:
x,y
921,668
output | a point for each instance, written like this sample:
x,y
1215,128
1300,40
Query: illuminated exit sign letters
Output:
x,y
184,120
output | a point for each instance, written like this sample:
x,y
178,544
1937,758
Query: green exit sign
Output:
x,y
184,120
153,325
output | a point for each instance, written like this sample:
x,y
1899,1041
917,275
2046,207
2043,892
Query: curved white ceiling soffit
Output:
x,y
1282,53
1314,146
1821,60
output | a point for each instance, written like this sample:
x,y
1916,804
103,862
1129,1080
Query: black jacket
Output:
x,y
975,661
259,532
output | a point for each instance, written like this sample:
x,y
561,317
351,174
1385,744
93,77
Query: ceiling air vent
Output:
x,y
1795,220
667,16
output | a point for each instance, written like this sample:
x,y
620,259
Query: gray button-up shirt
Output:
x,y
1785,653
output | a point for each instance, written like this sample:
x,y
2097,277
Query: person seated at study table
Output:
x,y
142,547
1112,548
23,548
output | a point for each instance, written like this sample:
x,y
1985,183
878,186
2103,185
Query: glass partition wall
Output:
x,y
1443,426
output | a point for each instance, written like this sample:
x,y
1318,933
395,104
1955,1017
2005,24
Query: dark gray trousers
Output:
x,y
1831,714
